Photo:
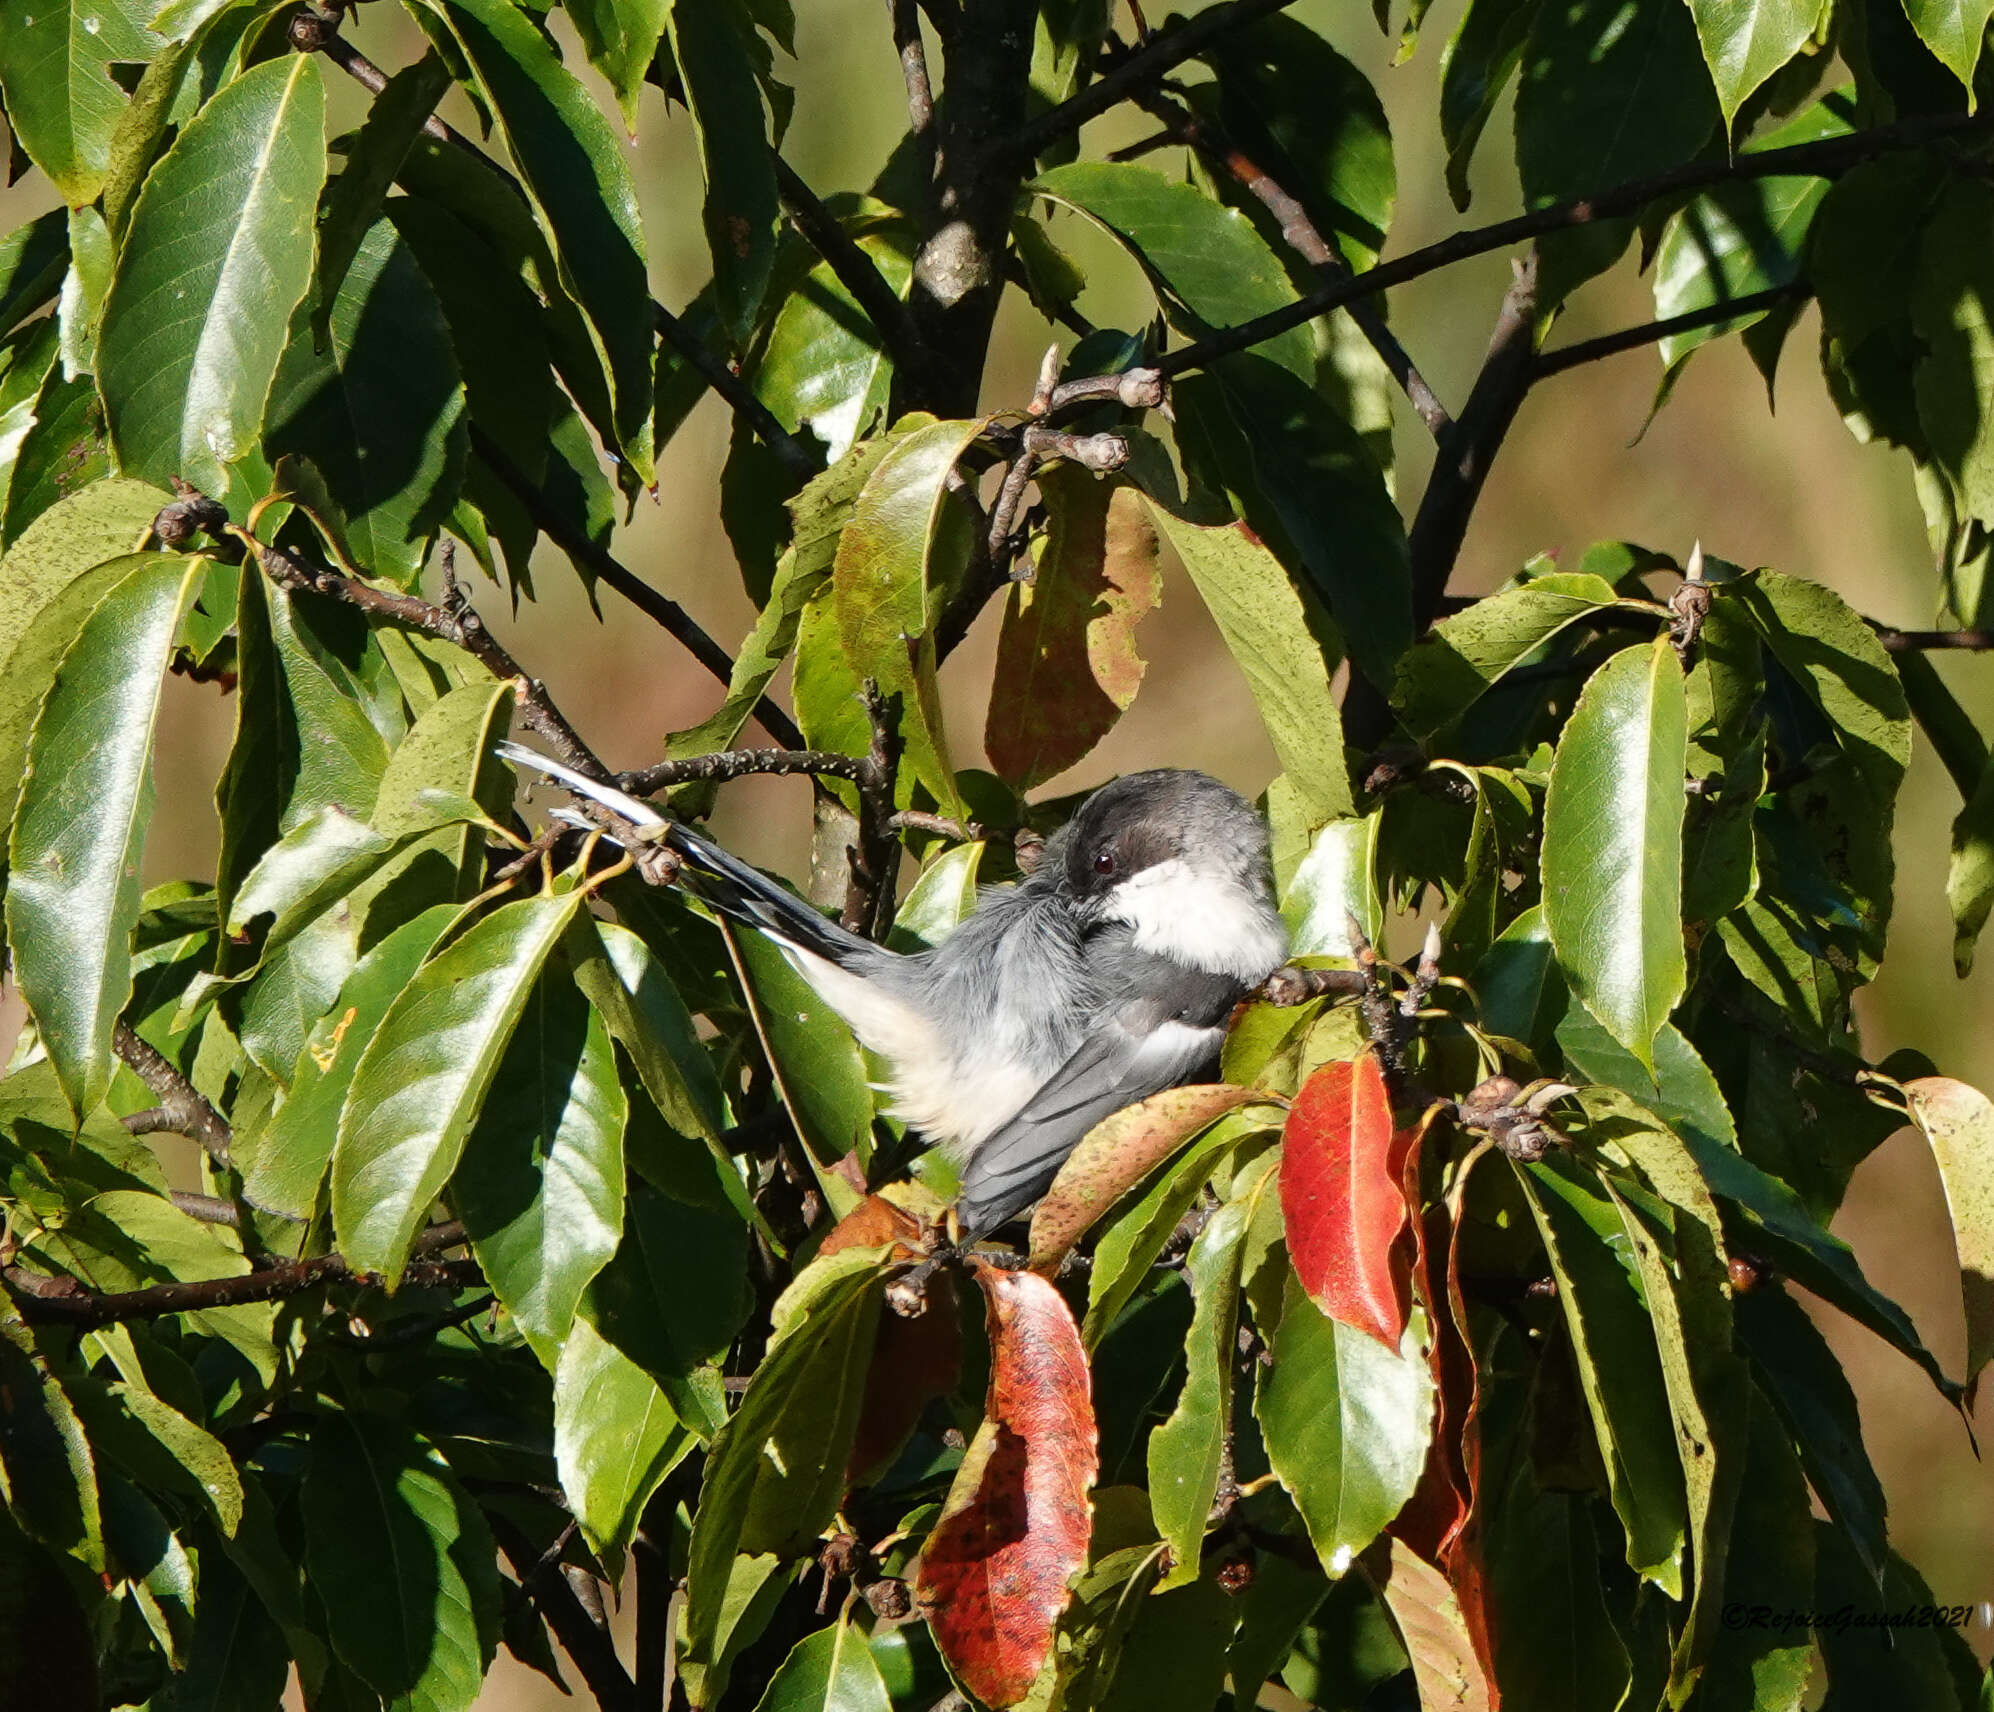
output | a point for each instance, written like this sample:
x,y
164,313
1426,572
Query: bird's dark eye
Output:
x,y
1104,863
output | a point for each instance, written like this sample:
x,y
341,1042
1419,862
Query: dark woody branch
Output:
x,y
182,1109
728,764
1653,332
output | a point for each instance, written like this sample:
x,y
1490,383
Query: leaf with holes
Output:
x,y
1015,1526
1067,666
55,73
1342,1205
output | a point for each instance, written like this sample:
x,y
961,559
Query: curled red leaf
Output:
x,y
993,1575
1342,1205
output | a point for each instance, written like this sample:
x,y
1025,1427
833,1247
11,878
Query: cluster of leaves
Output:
x,y
1369,1359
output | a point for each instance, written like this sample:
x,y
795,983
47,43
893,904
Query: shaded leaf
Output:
x,y
1342,1208
73,894
1480,58
1067,666
1954,30
616,1437
1970,874
1116,1155
1746,41
1612,856
1015,1526
224,223
423,1077
47,1475
1958,1121
830,1671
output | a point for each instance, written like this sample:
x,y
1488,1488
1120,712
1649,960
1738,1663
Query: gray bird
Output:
x,y
1104,977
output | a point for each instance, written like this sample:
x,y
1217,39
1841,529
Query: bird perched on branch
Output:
x,y
1106,976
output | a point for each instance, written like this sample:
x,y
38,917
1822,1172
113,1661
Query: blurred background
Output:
x,y
1785,486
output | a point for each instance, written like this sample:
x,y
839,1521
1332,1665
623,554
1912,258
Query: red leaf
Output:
x,y
873,1222
1341,1201
993,1574
1067,666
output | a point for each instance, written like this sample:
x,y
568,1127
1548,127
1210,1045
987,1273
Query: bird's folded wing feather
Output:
x,y
1125,1058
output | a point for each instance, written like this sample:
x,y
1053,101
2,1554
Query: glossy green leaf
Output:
x,y
1208,265
55,71
1264,625
1346,1423
162,1448
823,367
939,899
1336,881
742,208
63,450
1619,1372
1564,1652
1521,988
540,1188
620,41
1291,101
1955,31
1480,58
402,1562
446,752
224,223
1970,876
1958,1121
379,409
832,1670
1746,41
1187,1451
47,1475
1797,1370
1464,655
86,797
82,301
1613,845
1303,480
1585,67
1680,1089
582,195
616,1437
316,863
897,561
33,257
775,1474
295,1146
420,1083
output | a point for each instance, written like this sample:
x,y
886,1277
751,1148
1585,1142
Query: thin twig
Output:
x,y
873,863
582,1638
793,454
1149,62
1824,158
1653,332
182,1107
1914,641
209,1209
1304,238
906,21
61,1301
727,764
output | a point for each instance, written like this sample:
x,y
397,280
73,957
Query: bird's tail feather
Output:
x,y
721,880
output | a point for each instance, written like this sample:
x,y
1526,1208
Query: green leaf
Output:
x,y
1680,1089
82,301
616,1437
1955,31
742,208
1970,877
1298,107
424,1076
161,1447
1586,67
1747,236
823,367
897,562
540,1189
1187,1451
829,1671
55,72
1958,1121
379,410
402,1562
579,183
620,40
775,1474
1949,314
1619,1372
1522,992
448,752
1346,1423
33,257
224,224
47,1476
1209,266
1479,60
1465,655
314,865
1303,480
1336,881
63,450
939,900
1612,858
294,1147
1746,41
237,1658
73,895
1264,625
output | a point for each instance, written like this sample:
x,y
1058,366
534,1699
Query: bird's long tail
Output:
x,y
721,880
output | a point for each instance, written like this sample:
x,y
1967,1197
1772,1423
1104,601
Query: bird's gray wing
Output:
x,y
1135,1051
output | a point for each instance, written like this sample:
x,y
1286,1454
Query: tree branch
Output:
x,y
182,1108
1304,238
1148,63
1917,641
869,889
1653,332
583,1639
1824,158
856,271
62,1301
728,764
913,53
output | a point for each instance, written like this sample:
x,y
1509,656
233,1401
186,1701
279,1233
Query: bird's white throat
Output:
x,y
1209,924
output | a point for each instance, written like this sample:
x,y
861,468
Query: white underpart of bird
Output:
x,y
1106,976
